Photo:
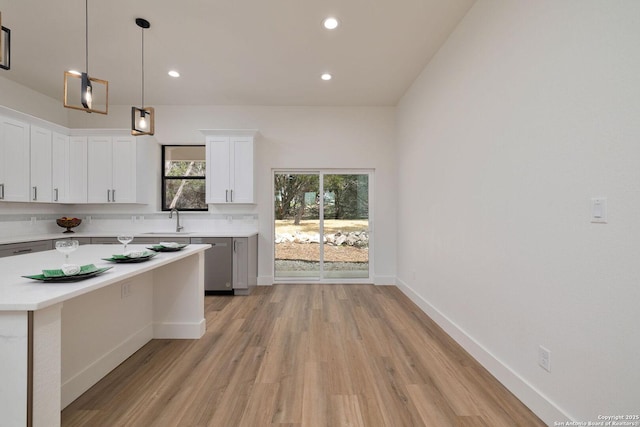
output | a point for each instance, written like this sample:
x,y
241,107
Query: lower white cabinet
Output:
x,y
12,249
245,264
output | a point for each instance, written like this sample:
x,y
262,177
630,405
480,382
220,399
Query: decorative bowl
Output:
x,y
68,223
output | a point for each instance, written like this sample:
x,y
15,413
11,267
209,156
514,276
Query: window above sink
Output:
x,y
184,178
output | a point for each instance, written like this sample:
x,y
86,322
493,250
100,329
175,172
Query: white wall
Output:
x,y
528,111
20,98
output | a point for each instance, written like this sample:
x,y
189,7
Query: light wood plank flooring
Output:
x,y
304,355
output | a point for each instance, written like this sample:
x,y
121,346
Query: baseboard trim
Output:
x,y
529,395
377,280
179,330
384,280
86,378
265,280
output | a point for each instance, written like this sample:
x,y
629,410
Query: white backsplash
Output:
x,y
23,225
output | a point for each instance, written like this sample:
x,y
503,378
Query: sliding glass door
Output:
x,y
297,225
321,225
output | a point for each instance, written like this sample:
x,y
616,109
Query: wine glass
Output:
x,y
125,239
66,247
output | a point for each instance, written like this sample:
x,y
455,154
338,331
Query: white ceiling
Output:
x,y
231,52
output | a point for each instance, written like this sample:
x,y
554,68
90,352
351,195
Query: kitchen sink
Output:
x,y
166,233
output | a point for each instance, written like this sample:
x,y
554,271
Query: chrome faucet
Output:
x,y
178,226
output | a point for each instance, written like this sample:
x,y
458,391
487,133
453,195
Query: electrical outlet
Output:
x,y
125,291
544,358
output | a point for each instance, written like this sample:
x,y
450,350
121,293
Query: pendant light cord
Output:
x,y
142,106
86,35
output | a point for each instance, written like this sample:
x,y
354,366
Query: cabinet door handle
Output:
x,y
55,192
35,193
232,195
1,191
113,195
22,251
226,195
234,246
108,195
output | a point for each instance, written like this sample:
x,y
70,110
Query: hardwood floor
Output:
x,y
304,355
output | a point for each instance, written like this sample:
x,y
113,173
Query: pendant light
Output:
x,y
142,119
93,92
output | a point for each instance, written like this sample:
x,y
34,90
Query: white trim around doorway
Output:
x,y
306,280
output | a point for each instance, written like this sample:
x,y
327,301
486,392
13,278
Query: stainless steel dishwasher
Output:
x,y
218,264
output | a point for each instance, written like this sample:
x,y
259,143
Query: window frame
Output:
x,y
164,178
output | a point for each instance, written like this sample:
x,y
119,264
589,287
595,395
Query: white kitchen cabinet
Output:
x,y
59,167
229,169
77,179
14,160
40,159
69,169
111,169
22,248
245,264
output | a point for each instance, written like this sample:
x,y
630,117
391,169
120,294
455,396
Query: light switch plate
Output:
x,y
599,210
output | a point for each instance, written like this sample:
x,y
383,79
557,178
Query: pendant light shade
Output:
x,y
142,118
82,92
86,95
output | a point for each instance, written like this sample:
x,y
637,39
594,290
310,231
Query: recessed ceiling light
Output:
x,y
326,76
330,23
174,73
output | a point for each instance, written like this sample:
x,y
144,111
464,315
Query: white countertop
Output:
x,y
168,235
19,294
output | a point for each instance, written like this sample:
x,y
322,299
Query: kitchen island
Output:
x,y
58,339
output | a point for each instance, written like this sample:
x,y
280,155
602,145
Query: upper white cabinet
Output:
x,y
230,167
39,162
69,168
59,167
14,160
77,170
111,169
41,187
